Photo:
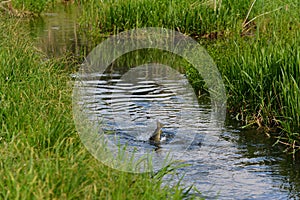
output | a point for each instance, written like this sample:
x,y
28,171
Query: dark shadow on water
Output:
x,y
262,156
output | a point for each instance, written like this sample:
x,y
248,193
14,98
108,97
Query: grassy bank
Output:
x,y
255,45
41,155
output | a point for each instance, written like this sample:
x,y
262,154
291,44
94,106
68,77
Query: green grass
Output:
x,y
41,154
32,6
261,80
22,8
254,43
261,72
192,17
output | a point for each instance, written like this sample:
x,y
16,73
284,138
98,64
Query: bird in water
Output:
x,y
156,136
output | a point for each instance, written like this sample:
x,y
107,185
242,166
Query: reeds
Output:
x,y
262,74
255,45
41,155
191,17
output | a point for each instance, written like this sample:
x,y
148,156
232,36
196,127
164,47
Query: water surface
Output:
x,y
242,164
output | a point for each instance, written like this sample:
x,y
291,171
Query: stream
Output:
x,y
242,164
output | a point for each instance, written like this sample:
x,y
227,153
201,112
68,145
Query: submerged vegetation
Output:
x,y
255,45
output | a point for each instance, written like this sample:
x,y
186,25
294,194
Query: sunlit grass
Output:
x,y
254,43
191,17
41,154
260,72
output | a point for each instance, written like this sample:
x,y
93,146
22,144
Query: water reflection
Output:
x,y
266,159
129,105
241,165
56,31
244,165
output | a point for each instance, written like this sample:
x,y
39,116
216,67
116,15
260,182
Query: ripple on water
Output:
x,y
220,166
